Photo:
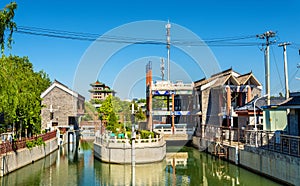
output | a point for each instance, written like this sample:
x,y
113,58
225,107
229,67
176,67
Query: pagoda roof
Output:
x,y
228,76
97,83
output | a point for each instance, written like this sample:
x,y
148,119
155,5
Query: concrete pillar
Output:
x,y
173,115
150,125
228,105
149,98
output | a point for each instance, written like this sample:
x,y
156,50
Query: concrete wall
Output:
x,y
14,160
276,165
280,167
121,152
294,122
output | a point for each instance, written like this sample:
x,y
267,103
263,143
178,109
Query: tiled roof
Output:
x,y
57,84
222,77
97,83
260,103
293,101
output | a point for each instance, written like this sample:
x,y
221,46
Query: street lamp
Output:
x,y
255,123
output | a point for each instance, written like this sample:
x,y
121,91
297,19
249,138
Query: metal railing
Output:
x,y
222,134
269,140
274,141
8,146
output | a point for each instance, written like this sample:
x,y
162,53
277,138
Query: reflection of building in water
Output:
x,y
213,171
176,165
178,158
116,174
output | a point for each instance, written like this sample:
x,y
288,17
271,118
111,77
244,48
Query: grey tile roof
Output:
x,y
260,103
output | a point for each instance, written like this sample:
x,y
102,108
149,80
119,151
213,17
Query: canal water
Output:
x,y
182,166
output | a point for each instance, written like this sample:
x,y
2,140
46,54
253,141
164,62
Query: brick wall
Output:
x,y
64,105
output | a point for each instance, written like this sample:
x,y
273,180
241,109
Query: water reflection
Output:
x,y
31,176
115,174
203,169
182,166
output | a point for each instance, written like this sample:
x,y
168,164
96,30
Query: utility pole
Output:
x,y
168,27
287,95
267,35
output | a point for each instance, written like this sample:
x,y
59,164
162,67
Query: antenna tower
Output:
x,y
162,68
168,27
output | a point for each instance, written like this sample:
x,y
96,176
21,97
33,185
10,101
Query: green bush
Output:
x,y
128,134
33,143
30,144
40,142
145,134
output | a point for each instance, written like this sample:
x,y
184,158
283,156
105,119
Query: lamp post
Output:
x,y
255,123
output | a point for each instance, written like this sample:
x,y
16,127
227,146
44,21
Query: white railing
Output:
x,y
183,130
172,86
107,140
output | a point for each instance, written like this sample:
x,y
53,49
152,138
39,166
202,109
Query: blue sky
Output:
x,y
60,58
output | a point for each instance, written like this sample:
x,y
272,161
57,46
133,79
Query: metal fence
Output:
x,y
223,134
275,141
8,146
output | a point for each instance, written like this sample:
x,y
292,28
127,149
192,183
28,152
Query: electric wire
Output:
x,y
82,36
280,80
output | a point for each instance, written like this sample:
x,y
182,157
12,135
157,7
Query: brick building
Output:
x,y
62,107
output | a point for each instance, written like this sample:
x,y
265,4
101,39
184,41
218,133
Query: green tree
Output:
x,y
20,92
107,113
6,22
20,87
141,100
90,112
140,115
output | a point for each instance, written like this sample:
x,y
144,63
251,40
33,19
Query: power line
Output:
x,y
82,36
277,69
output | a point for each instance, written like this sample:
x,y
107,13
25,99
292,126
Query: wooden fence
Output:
x,y
8,146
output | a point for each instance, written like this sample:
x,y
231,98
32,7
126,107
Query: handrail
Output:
x,y
8,146
268,140
104,139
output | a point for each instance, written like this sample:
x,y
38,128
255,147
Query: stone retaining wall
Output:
x,y
277,166
119,151
12,161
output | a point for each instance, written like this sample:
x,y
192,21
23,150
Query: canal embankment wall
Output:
x,y
277,166
119,151
14,160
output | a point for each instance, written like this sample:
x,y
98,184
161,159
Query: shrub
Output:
x,y
40,141
33,143
30,144
145,134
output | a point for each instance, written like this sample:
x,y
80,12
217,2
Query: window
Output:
x,y
51,115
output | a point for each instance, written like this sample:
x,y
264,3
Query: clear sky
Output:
x,y
60,58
